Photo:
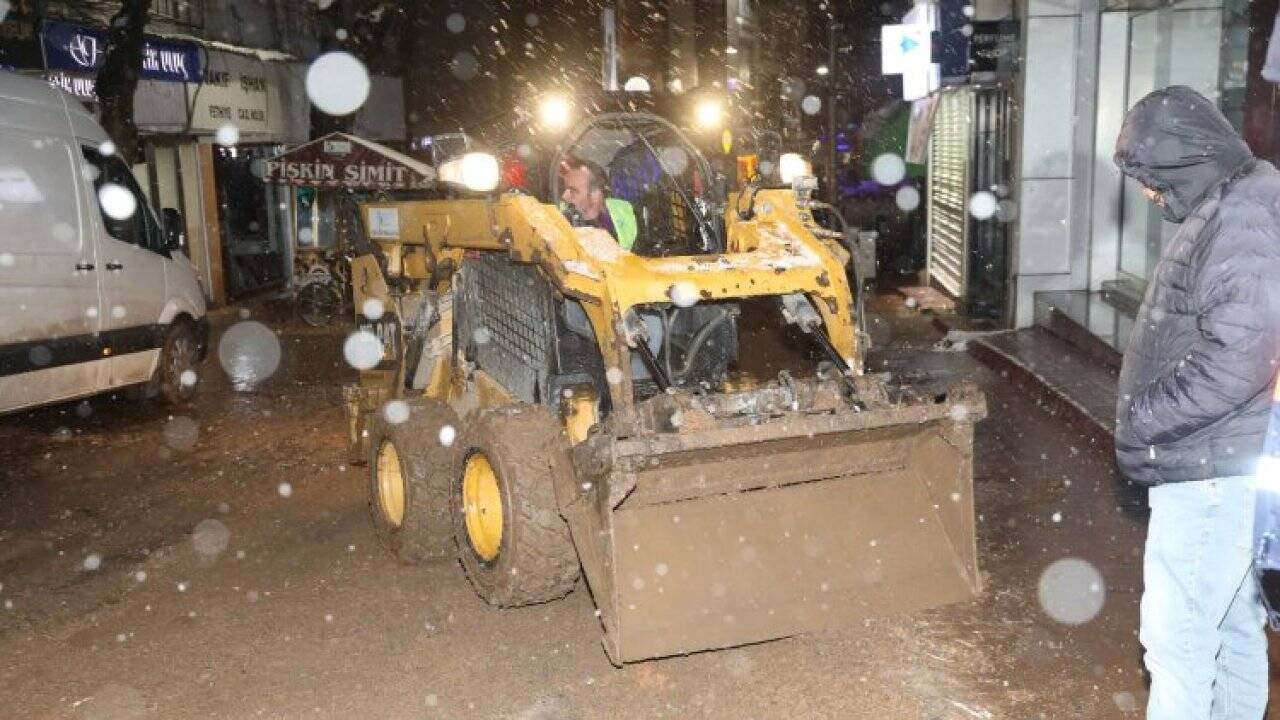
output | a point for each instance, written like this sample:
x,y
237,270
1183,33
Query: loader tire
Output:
x,y
532,560
409,470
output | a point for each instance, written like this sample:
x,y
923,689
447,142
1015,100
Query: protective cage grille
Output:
x,y
505,323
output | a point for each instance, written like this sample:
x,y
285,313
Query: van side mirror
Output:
x,y
175,238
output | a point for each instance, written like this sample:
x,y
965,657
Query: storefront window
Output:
x,y
305,197
1203,45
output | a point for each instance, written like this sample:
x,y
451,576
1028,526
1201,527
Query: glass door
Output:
x,y
1182,44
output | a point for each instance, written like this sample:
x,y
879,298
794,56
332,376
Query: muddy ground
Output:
x,y
122,600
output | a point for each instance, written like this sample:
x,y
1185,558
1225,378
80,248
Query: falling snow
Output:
x,y
337,83
372,309
888,169
907,198
116,201
1072,591
249,353
983,205
447,435
362,350
396,412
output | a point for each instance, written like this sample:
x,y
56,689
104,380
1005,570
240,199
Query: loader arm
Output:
x,y
775,254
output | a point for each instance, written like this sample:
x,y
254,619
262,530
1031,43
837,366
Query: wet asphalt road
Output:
x,y
218,562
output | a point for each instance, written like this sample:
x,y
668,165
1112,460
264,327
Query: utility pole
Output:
x,y
833,192
609,23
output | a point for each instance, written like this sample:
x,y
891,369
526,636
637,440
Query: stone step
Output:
x,y
1068,380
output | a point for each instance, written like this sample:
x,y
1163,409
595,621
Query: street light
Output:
x,y
554,112
823,70
708,114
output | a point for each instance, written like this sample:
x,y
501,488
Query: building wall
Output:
x,y
1052,171
1081,224
290,26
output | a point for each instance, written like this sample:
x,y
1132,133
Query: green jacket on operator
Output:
x,y
624,221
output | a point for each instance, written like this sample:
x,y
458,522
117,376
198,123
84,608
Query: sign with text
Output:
x,y
79,49
993,47
81,87
363,165
239,91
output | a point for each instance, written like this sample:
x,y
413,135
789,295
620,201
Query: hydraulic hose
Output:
x,y
700,339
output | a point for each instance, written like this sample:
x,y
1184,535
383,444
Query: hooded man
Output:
x,y
1194,400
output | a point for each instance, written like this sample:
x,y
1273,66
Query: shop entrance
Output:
x,y
254,248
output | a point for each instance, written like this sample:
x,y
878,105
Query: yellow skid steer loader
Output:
x,y
686,422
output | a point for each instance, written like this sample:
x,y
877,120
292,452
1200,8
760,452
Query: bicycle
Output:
x,y
323,289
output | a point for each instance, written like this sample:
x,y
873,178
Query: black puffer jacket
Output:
x,y
1194,392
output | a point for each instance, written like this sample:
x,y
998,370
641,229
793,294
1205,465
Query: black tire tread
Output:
x,y
520,440
426,532
170,388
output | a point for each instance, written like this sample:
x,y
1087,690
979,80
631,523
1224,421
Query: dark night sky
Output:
x,y
504,53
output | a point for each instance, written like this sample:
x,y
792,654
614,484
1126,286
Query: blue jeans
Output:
x,y
1202,615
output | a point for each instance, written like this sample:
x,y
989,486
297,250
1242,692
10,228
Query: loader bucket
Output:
x,y
732,535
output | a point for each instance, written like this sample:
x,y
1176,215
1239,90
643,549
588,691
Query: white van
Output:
x,y
89,301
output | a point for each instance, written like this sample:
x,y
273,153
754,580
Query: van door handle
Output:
x,y
84,266
114,266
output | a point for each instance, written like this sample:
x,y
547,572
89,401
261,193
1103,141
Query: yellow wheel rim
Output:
x,y
482,506
390,484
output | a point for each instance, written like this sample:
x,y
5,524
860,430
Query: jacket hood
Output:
x,y
1177,142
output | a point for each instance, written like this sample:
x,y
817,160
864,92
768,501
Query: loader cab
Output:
x,y
677,200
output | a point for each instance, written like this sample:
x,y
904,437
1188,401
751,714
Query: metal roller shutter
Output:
x,y
949,191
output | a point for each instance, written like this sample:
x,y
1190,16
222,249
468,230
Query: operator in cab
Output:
x,y
586,200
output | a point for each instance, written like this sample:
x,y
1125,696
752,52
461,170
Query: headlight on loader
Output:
x,y
792,166
475,171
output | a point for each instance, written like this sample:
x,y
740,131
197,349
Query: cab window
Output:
x,y
140,228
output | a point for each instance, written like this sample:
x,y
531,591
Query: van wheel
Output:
x,y
179,356
179,353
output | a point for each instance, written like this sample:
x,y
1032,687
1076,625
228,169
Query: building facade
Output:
x,y
1080,238
1086,239
222,86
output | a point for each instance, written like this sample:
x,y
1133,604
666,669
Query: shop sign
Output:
x,y
368,173
239,91
904,48
80,49
907,50
337,147
367,165
82,87
993,47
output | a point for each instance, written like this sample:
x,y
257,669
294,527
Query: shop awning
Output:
x,y
339,160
